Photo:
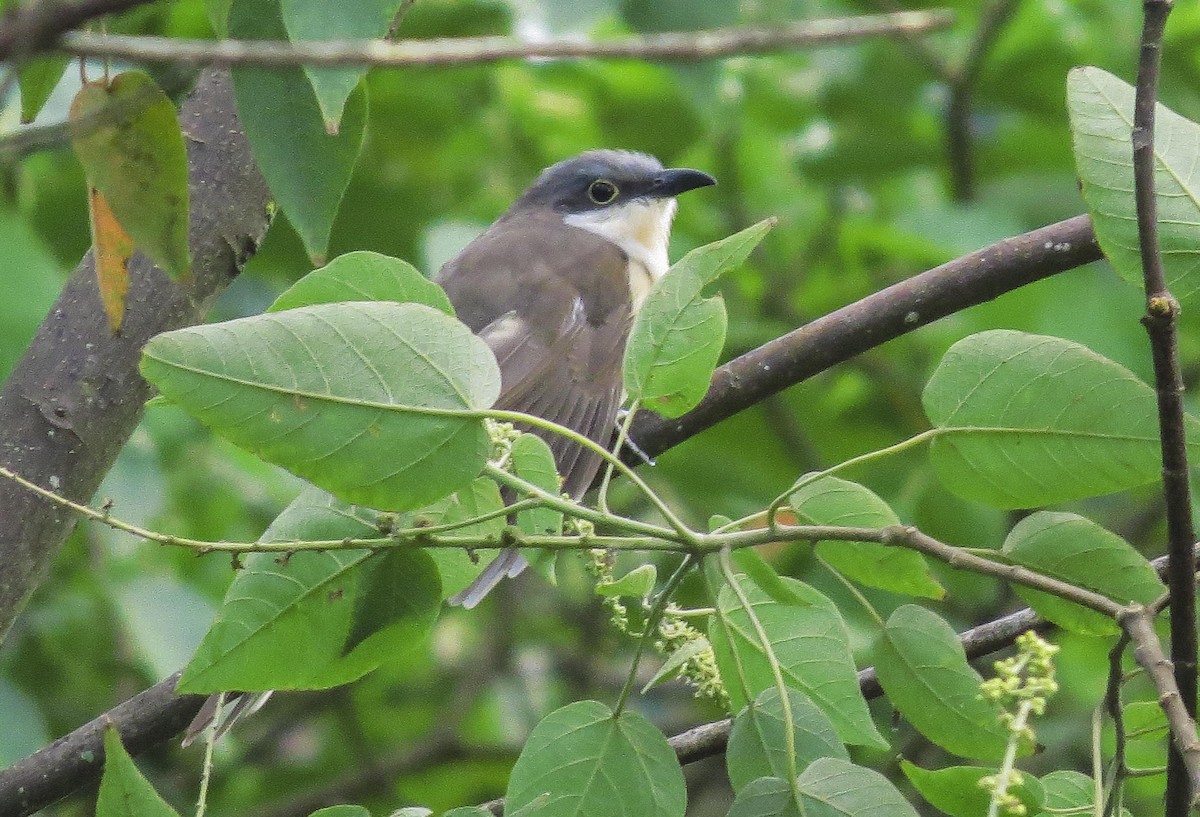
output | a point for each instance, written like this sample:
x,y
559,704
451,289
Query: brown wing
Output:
x,y
552,302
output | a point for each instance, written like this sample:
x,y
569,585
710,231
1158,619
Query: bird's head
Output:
x,y
625,197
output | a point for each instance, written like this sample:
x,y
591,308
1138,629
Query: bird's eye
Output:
x,y
602,191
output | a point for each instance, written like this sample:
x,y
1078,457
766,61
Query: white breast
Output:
x,y
642,229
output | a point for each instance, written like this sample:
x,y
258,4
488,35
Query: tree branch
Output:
x,y
679,46
75,397
872,321
1161,322
962,80
27,28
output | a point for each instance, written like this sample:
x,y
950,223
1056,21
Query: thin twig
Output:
x,y
1112,702
962,81
1161,322
689,46
1136,621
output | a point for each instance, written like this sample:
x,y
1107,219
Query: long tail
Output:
x,y
509,563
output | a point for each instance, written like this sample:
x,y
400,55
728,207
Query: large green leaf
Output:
x,y
363,276
1030,420
1101,108
765,797
834,501
833,787
127,138
956,790
758,744
335,393
306,168
924,671
590,762
123,790
678,334
313,620
354,20
810,643
1077,550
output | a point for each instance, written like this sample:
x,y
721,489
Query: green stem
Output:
x,y
789,733
656,613
622,435
870,456
854,591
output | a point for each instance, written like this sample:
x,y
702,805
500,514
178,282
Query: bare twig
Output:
x,y
678,46
1161,322
1138,624
1112,703
962,81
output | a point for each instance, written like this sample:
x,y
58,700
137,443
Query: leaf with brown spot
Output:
x,y
113,249
127,138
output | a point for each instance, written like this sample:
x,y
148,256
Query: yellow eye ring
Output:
x,y
602,191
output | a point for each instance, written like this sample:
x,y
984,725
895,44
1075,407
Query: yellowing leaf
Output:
x,y
112,248
127,137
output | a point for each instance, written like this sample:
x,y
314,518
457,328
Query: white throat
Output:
x,y
642,229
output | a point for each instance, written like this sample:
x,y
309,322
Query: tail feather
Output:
x,y
509,563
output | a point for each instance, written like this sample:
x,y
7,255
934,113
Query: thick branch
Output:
x,y
75,397
679,46
27,28
1161,322
872,321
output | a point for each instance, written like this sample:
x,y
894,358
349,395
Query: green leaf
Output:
x,y
457,567
1031,420
834,501
127,138
811,644
957,792
38,78
123,790
533,462
676,660
590,762
306,168
463,811
765,797
341,811
288,621
678,334
355,20
674,345
763,575
1076,550
924,671
395,608
339,393
1101,109
1069,791
638,583
833,787
363,276
1145,720
758,745
713,260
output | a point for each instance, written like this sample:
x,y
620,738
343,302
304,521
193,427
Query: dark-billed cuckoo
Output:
x,y
552,287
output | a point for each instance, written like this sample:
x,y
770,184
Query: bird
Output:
x,y
552,287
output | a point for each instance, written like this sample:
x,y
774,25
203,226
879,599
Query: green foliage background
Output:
x,y
844,145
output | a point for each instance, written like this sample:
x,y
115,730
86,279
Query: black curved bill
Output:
x,y
679,180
